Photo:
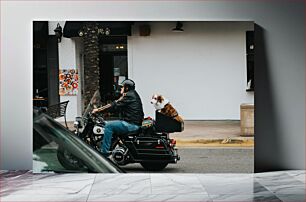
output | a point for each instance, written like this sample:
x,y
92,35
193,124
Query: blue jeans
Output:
x,y
117,127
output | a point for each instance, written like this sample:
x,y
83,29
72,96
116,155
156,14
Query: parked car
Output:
x,y
56,149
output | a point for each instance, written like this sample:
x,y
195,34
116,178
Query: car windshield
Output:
x,y
55,149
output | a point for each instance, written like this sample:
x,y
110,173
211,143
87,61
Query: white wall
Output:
x,y
79,52
67,60
202,71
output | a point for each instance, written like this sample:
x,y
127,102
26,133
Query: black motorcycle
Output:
x,y
150,145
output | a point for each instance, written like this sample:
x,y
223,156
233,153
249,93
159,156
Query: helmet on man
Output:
x,y
128,84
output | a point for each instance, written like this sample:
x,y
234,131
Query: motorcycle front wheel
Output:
x,y
154,166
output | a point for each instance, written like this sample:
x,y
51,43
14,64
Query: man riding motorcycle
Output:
x,y
130,106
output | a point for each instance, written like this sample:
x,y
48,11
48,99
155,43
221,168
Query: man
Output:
x,y
130,106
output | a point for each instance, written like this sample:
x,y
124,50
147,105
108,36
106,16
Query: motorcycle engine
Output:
x,y
120,155
98,130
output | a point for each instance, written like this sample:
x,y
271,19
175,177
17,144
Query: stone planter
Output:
x,y
247,119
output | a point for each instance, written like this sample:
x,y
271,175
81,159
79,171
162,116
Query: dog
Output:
x,y
163,106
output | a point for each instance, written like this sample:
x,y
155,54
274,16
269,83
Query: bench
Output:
x,y
58,110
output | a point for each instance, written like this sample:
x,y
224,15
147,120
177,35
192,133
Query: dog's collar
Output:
x,y
164,103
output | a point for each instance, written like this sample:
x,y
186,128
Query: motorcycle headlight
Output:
x,y
78,122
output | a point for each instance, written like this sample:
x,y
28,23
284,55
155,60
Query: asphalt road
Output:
x,y
207,160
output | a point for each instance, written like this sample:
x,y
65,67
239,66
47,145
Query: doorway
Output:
x,y
113,66
45,66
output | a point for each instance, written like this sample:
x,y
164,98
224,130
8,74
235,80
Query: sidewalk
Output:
x,y
209,134
212,134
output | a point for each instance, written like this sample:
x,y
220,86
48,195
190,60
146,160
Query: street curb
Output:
x,y
228,142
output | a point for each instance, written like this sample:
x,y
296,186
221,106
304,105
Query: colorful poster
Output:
x,y
68,82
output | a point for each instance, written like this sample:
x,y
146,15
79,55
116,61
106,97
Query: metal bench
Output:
x,y
58,110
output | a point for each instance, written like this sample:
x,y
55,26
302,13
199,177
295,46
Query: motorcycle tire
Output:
x,y
152,166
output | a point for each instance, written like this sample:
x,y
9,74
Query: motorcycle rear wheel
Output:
x,y
153,166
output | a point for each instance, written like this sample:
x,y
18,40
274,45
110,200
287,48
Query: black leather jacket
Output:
x,y
130,107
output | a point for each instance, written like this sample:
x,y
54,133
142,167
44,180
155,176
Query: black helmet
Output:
x,y
128,83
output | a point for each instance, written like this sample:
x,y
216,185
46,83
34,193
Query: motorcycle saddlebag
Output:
x,y
148,146
167,124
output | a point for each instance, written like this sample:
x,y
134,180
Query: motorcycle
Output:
x,y
150,146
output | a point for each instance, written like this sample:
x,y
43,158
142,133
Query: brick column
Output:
x,y
91,60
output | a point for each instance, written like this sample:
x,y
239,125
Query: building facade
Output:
x,y
202,70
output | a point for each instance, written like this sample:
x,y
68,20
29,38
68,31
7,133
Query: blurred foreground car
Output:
x,y
58,150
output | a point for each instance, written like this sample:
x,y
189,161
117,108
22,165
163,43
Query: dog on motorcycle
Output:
x,y
163,106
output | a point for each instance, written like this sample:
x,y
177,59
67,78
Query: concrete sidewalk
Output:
x,y
209,134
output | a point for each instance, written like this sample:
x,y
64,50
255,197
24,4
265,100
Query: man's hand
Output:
x,y
95,111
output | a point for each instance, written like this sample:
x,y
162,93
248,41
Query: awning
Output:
x,y
72,28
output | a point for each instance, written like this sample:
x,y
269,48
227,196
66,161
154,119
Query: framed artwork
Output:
x,y
68,82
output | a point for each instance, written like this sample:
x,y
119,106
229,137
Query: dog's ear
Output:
x,y
160,98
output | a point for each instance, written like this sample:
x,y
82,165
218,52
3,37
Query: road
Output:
x,y
207,160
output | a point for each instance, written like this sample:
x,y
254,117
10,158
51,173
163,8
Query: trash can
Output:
x,y
247,119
